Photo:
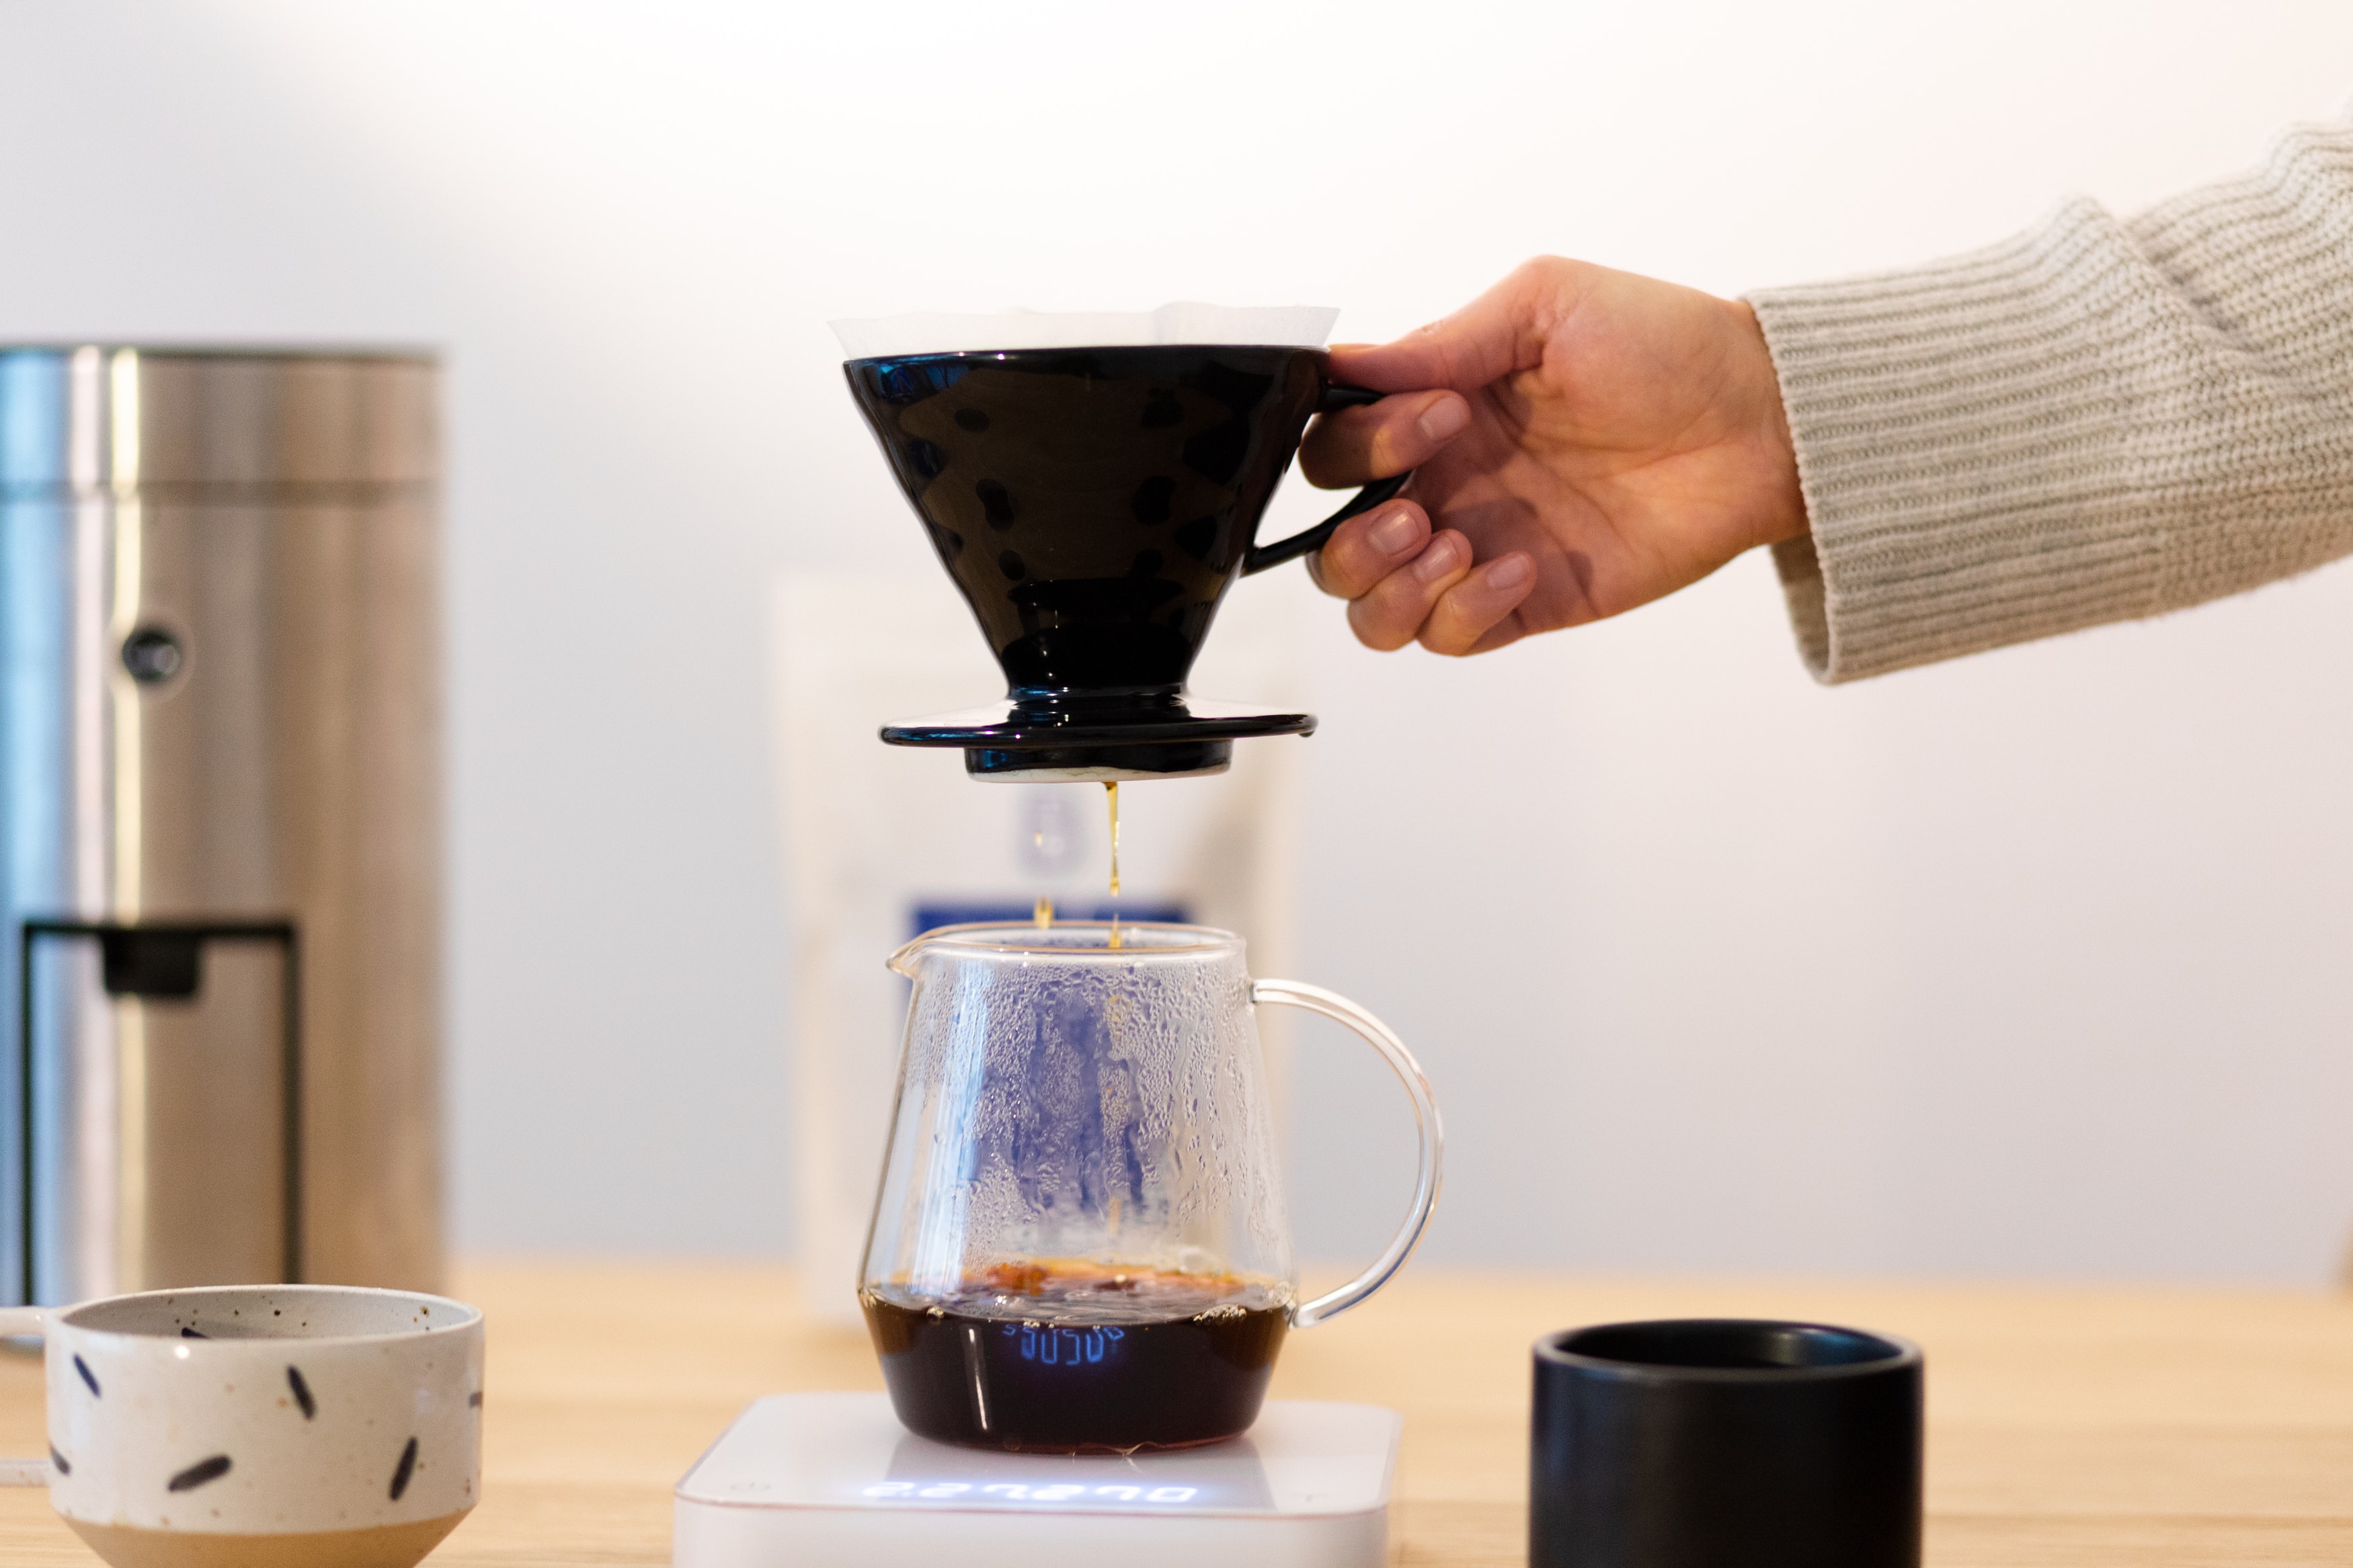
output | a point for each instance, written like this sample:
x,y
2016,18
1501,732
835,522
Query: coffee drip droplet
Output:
x,y
1111,791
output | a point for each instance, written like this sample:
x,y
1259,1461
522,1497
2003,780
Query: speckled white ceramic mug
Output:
x,y
259,1426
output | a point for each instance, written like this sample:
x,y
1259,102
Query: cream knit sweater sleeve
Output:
x,y
2095,420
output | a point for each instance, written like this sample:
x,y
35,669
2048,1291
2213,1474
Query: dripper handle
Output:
x,y
1340,1010
1263,556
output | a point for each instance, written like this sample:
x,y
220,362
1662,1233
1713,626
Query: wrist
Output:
x,y
1781,499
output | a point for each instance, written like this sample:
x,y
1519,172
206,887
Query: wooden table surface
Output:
x,y
2144,1427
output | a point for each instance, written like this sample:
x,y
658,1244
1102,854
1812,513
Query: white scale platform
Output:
x,y
829,1480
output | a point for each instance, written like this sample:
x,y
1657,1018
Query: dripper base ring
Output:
x,y
1099,764
1012,742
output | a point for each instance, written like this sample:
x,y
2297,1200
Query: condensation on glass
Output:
x,y
1079,1240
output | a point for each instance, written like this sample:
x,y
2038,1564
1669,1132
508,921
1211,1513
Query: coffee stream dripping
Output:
x,y
1042,912
1111,788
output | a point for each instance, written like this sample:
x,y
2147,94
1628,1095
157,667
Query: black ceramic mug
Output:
x,y
1725,1443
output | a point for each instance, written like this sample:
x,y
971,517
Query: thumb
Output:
x,y
1501,332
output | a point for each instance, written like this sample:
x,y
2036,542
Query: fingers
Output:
x,y
1389,614
1429,593
1367,548
1466,612
1382,439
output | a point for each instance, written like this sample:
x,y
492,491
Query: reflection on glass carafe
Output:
x,y
1080,1243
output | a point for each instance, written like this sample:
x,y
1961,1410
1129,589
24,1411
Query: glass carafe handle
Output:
x,y
1339,1008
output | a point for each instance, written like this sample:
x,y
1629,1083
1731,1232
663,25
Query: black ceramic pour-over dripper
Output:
x,y
1094,506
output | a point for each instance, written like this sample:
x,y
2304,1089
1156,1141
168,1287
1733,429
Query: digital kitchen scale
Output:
x,y
832,1480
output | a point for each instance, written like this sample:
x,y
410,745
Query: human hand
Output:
x,y
1583,440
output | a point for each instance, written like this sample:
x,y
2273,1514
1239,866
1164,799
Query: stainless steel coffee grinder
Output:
x,y
219,819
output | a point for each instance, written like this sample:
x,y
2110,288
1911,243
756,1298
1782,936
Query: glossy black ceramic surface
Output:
x,y
1145,736
1715,1441
1094,506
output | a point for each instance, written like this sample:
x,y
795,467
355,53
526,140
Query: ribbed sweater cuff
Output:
x,y
1951,422
2095,420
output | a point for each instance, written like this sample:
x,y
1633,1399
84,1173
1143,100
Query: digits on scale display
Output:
x,y
1065,1347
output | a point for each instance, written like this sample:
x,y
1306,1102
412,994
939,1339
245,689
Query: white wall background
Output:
x,y
2037,963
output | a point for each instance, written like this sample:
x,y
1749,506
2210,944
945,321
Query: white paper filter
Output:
x,y
937,333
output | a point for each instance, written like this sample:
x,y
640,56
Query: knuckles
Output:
x,y
1546,273
1546,288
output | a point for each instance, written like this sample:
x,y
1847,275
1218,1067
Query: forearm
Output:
x,y
2094,421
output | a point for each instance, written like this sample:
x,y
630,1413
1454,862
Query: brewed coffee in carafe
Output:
x,y
1016,1358
1080,1242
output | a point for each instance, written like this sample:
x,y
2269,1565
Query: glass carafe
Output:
x,y
1080,1243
